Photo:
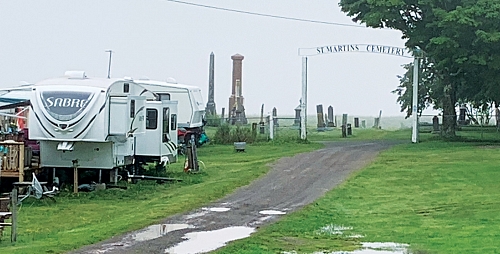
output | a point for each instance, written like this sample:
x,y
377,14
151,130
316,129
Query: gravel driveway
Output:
x,y
293,182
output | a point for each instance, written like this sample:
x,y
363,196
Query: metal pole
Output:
x,y
109,64
414,134
303,101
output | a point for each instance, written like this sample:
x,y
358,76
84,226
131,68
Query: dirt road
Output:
x,y
291,183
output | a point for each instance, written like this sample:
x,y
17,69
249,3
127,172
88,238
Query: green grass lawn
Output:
x,y
437,197
77,220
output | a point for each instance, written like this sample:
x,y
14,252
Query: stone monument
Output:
x,y
330,122
236,108
321,119
211,109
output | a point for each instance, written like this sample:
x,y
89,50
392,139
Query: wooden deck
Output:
x,y
12,155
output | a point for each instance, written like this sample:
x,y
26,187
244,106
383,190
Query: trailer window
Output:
x,y
151,119
164,96
132,108
173,122
166,125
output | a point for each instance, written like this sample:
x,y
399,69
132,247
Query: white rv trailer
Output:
x,y
191,109
99,123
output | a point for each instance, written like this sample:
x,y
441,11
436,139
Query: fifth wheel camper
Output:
x,y
99,123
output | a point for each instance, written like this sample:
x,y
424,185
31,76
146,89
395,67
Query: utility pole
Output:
x,y
109,65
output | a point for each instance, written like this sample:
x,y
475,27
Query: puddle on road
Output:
x,y
158,230
205,241
260,220
272,212
149,233
195,215
265,218
216,209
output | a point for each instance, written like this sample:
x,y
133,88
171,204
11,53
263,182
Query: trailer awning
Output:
x,y
11,100
13,104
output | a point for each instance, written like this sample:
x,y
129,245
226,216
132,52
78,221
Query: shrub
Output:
x,y
242,134
222,135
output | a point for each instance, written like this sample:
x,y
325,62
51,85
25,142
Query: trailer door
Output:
x,y
169,130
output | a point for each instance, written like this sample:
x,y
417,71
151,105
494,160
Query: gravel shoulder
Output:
x,y
292,183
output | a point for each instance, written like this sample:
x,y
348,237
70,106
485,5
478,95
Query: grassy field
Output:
x,y
360,134
437,197
77,220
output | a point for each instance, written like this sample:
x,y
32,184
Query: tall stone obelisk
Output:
x,y
211,109
236,108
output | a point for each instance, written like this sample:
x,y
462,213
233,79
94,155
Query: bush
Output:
x,y
242,134
222,135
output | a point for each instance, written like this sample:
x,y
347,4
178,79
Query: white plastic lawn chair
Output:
x,y
37,191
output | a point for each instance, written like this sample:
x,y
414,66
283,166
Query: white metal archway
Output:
x,y
367,48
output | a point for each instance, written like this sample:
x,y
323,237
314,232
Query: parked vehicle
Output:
x,y
101,123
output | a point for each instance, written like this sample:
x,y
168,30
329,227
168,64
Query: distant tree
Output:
x,y
405,88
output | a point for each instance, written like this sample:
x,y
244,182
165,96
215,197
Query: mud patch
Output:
x,y
195,215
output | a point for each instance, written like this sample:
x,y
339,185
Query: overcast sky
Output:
x,y
159,39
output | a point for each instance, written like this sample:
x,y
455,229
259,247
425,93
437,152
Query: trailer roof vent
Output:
x,y
24,83
171,80
75,74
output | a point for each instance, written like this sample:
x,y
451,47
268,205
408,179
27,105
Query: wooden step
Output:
x,y
9,173
5,215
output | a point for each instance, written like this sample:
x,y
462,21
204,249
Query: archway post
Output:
x,y
414,108
303,101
